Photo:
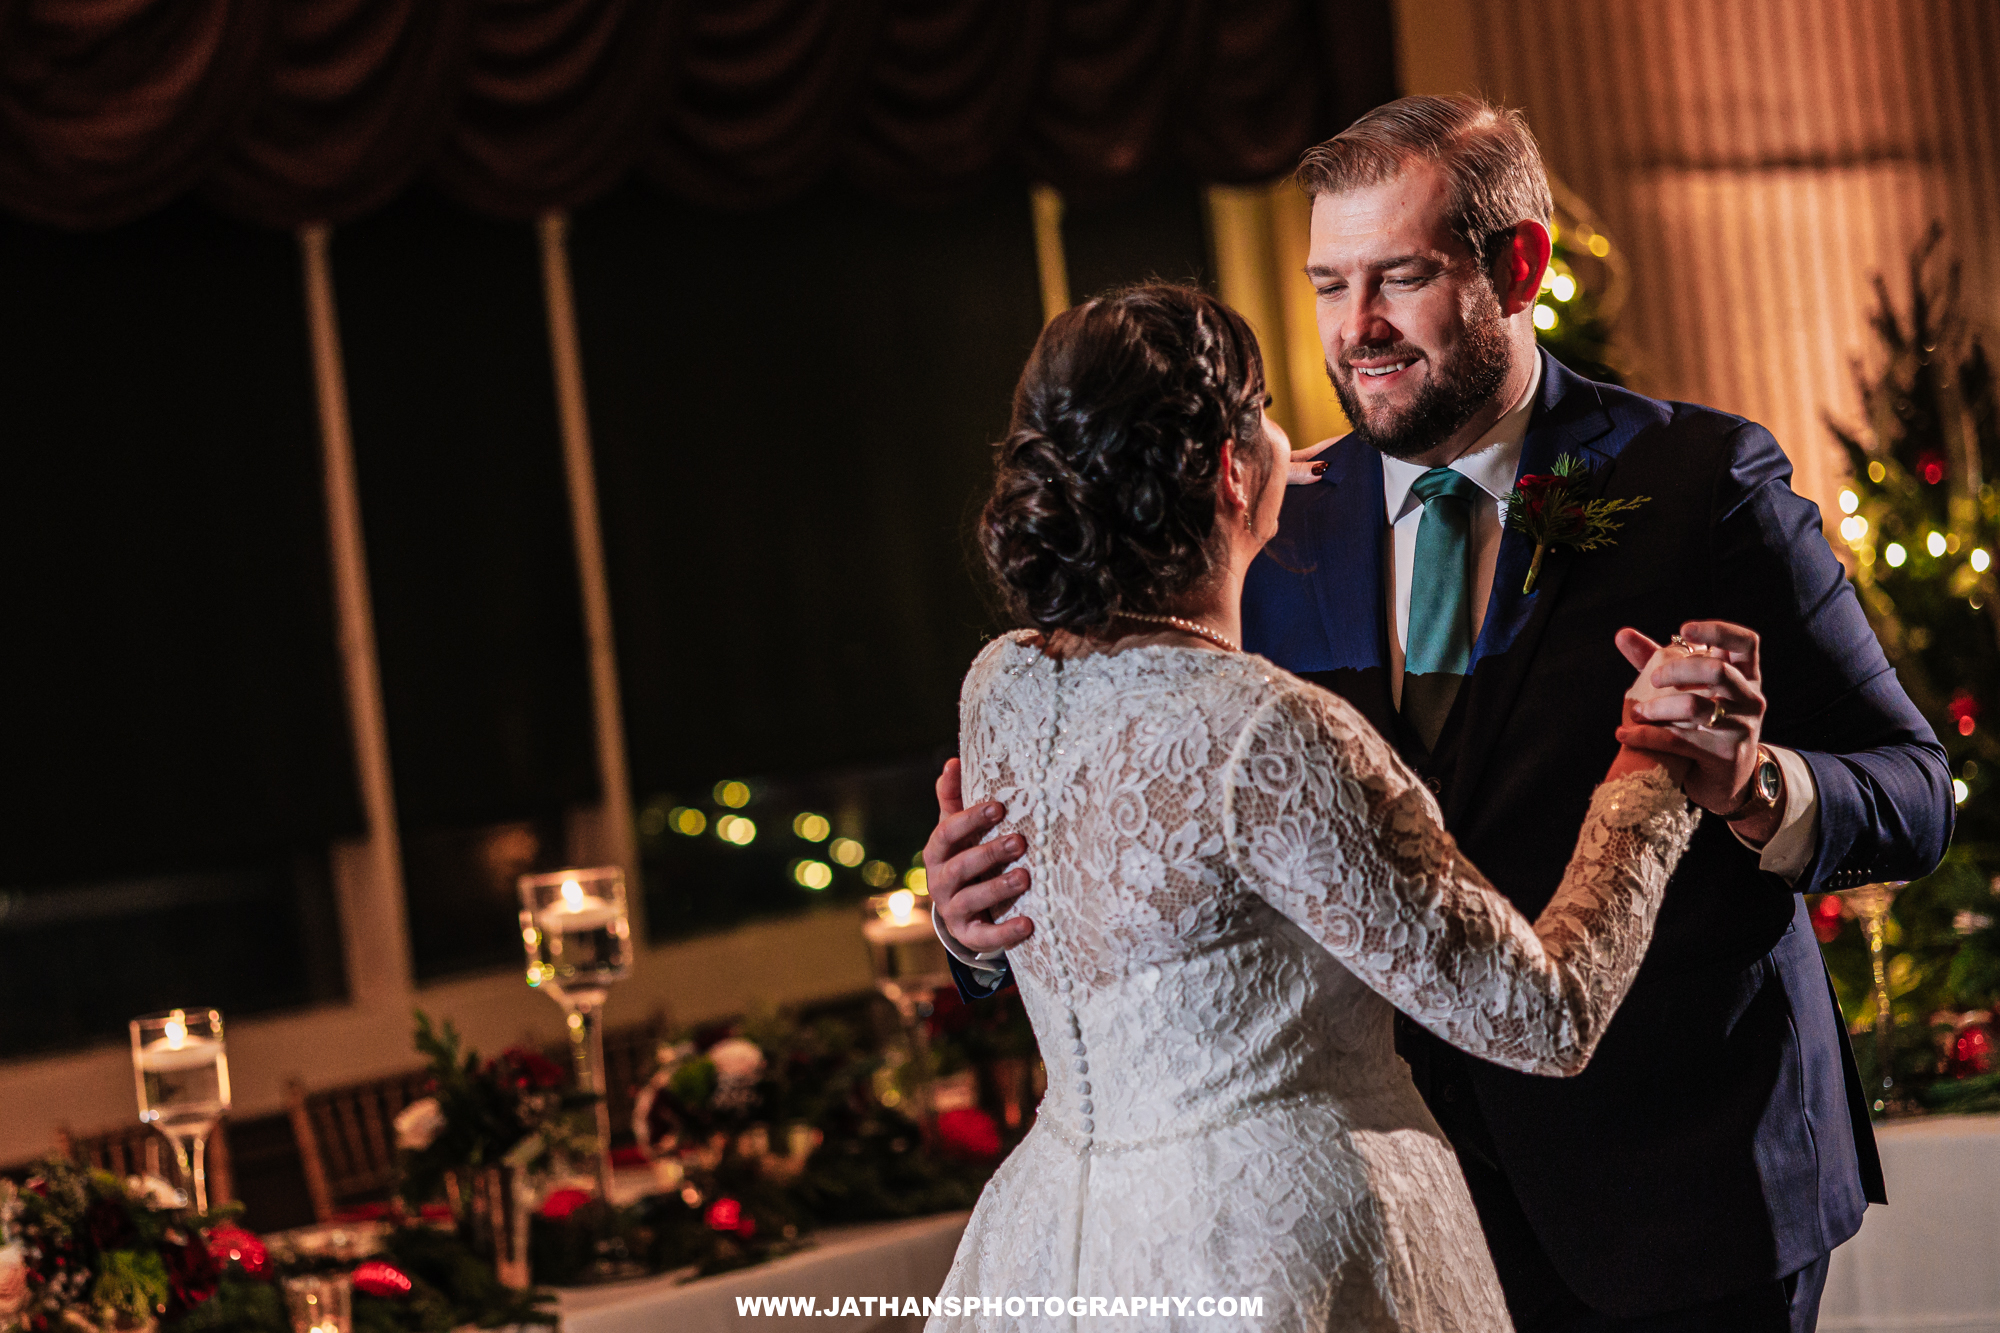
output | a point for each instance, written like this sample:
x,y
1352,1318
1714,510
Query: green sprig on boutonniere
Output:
x,y
1551,510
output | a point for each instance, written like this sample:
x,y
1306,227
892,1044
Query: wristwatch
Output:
x,y
1766,789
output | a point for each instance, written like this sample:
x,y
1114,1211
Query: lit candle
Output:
x,y
896,919
577,910
177,1048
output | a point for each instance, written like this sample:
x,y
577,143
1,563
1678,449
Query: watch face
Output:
x,y
1768,781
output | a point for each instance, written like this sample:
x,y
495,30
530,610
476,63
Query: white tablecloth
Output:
x,y
1930,1261
1927,1263
879,1259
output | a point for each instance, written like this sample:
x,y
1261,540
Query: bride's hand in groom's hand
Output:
x,y
1720,744
968,879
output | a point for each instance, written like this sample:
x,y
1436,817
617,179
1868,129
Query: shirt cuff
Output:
x,y
991,964
1791,848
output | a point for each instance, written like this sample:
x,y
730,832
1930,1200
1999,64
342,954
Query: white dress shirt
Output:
x,y
1492,464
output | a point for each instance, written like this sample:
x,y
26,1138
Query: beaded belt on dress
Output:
x,y
1099,1143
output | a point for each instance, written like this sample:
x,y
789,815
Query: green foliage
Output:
x,y
450,1286
240,1305
880,1170
131,1286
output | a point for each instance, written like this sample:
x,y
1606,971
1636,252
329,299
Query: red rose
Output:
x,y
191,1274
724,1215
561,1203
231,1244
969,1132
529,1070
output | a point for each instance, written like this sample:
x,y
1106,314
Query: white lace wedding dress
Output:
x,y
1234,878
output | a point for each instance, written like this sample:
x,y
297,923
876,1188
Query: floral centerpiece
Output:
x,y
514,1111
82,1251
85,1250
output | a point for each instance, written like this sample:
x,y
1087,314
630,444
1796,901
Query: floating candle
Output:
x,y
577,910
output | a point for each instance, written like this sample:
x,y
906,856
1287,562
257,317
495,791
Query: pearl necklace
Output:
x,y
1196,628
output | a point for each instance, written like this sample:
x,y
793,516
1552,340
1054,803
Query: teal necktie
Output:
x,y
1440,641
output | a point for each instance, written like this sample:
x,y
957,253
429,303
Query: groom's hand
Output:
x,y
1721,747
968,880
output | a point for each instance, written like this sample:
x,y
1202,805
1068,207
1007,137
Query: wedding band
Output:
x,y
1715,714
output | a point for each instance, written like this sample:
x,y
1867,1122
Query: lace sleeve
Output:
x,y
1333,830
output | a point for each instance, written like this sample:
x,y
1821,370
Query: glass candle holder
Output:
x,y
579,944
909,960
1871,903
180,1068
320,1303
910,965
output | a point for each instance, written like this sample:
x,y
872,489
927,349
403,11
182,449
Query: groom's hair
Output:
x,y
1487,152
1104,497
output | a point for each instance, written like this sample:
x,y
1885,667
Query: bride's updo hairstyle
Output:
x,y
1104,497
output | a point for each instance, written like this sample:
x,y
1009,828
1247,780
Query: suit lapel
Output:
x,y
1342,529
1568,417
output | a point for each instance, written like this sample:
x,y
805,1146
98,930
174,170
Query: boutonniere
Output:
x,y
1551,509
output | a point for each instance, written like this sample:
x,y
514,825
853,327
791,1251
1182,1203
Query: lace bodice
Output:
x,y
1234,878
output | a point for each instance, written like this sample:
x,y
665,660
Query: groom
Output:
x,y
1699,1172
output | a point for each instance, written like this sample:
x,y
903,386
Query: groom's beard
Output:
x,y
1455,392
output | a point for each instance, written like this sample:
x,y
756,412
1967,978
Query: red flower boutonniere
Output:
x,y
1551,509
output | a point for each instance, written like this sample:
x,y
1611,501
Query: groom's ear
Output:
x,y
1519,259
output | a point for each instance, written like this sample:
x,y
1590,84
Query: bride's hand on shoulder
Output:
x,y
1307,466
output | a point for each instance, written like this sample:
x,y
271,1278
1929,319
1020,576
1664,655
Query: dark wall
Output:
x,y
471,561
175,735
791,412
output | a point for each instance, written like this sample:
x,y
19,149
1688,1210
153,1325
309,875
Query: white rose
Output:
x,y
419,1124
738,1065
736,1060
13,1282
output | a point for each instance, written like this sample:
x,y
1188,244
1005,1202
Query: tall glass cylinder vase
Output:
x,y
1871,903
579,944
910,966
180,1067
499,1223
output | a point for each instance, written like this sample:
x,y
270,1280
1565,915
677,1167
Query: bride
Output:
x,y
1235,883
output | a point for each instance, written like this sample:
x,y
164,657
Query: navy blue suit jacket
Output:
x,y
1718,1137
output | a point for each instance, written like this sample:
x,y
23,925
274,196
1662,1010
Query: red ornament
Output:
x,y
1972,1048
1965,711
231,1244
1930,466
561,1203
1826,915
725,1215
969,1132
380,1279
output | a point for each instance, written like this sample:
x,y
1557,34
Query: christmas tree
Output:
x,y
1922,519
1582,291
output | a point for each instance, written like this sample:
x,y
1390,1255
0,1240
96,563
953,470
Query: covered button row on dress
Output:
x,y
1081,1063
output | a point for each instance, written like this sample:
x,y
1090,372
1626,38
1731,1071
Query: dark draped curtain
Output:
x,y
281,112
